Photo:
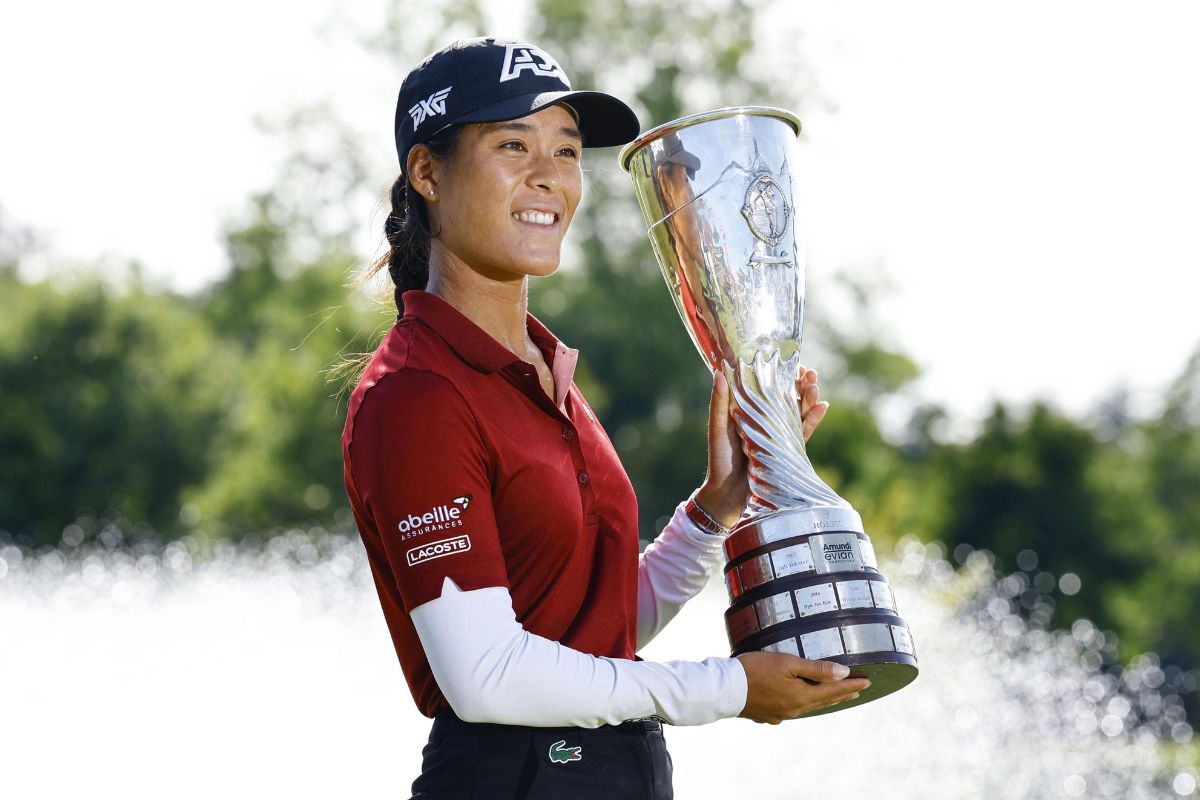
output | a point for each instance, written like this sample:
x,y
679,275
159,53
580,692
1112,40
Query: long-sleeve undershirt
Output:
x,y
490,669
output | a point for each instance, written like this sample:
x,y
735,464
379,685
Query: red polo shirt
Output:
x,y
458,465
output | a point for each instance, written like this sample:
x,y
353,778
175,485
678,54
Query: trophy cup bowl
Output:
x,y
717,193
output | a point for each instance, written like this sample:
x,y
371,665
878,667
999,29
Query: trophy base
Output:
x,y
874,646
887,672
887,676
806,582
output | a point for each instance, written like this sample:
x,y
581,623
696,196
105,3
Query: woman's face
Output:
x,y
504,199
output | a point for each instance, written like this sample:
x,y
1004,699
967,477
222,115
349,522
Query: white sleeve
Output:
x,y
673,569
491,669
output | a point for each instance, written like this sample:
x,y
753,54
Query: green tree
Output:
x,y
277,457
1113,502
1031,485
1165,453
110,400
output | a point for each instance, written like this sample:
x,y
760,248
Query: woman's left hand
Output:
x,y
726,488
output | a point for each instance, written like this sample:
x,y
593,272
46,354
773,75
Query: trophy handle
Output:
x,y
768,419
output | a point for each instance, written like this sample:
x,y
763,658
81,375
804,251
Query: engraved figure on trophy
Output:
x,y
717,193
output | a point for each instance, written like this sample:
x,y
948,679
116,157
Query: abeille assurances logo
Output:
x,y
439,518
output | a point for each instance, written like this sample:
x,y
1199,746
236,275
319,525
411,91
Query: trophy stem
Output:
x,y
769,421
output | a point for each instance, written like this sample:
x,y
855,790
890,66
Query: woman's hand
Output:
x,y
780,686
726,488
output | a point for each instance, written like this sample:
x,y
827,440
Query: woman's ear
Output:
x,y
422,172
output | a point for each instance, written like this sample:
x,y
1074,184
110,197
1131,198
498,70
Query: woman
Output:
x,y
500,527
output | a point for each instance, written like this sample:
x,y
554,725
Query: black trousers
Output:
x,y
474,761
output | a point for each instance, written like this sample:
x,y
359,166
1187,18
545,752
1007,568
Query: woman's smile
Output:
x,y
540,219
502,203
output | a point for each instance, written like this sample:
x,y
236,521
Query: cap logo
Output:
x,y
432,106
520,58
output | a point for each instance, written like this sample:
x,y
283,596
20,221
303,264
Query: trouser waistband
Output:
x,y
446,722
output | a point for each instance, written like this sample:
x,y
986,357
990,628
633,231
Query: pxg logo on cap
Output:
x,y
432,106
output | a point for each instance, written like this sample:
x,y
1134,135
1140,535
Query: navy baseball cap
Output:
x,y
493,80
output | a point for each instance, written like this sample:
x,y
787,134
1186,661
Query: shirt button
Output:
x,y
568,434
583,478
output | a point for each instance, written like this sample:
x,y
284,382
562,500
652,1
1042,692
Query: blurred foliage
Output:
x,y
1112,501
209,415
206,415
277,455
108,401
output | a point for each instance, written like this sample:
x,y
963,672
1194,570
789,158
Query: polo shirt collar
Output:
x,y
476,346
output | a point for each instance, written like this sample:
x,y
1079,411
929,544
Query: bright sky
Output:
x,y
1025,175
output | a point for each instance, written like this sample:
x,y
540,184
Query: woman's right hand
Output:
x,y
782,686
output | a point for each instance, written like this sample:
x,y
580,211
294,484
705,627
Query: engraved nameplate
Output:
x,y
854,594
904,642
816,599
775,609
883,595
822,644
792,560
874,638
867,551
787,645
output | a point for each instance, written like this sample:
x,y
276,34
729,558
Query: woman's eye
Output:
x,y
513,145
569,152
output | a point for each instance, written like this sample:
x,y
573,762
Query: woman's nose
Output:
x,y
543,173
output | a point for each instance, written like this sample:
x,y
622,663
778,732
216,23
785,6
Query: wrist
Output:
x,y
723,506
702,515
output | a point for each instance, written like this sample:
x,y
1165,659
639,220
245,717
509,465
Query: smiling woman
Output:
x,y
499,524
503,203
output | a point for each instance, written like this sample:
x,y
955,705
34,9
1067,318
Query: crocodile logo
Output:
x,y
561,754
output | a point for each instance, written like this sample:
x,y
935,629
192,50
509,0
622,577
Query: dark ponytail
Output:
x,y
407,261
407,228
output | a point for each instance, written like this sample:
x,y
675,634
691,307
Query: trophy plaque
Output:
x,y
717,192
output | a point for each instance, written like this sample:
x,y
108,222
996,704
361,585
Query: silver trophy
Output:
x,y
717,191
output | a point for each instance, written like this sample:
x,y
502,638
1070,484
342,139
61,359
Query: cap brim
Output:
x,y
604,120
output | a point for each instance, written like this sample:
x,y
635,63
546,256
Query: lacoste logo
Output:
x,y
520,58
442,547
561,754
432,106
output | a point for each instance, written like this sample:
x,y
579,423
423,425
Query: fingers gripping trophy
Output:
x,y
717,192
